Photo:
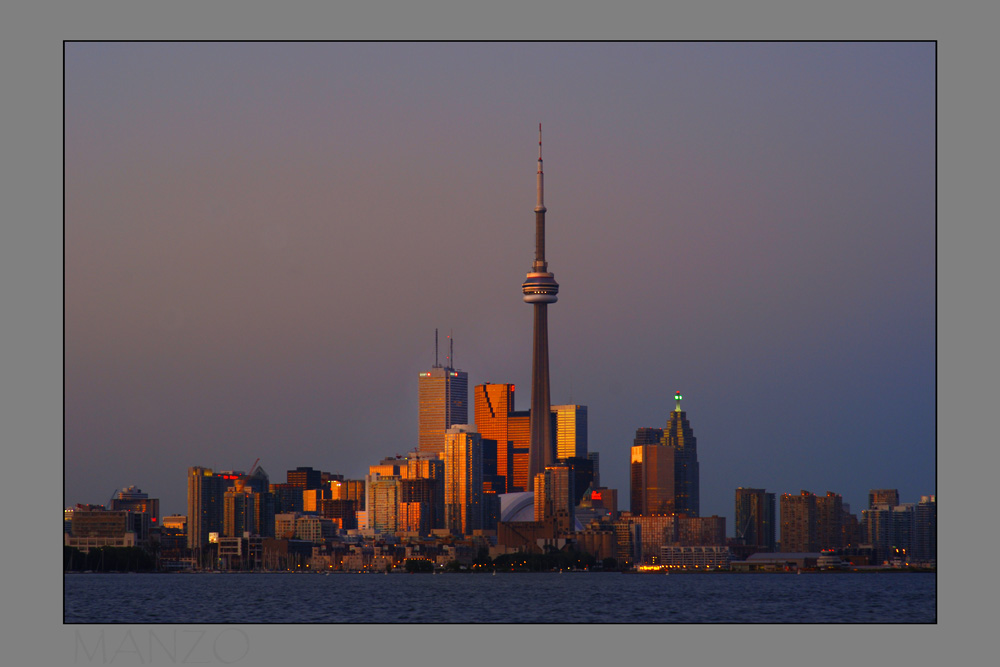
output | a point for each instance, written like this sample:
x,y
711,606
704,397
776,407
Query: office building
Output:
x,y
570,431
679,436
443,397
652,467
287,497
755,518
798,523
595,458
305,477
664,476
540,289
582,472
497,420
463,480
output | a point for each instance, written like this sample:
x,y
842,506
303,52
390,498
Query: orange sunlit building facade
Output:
x,y
497,420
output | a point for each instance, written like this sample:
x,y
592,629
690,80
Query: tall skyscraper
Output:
x,y
493,405
570,431
540,289
755,518
205,500
463,480
443,394
680,437
664,467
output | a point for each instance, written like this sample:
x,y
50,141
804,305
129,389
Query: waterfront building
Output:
x,y
702,531
925,536
798,523
94,527
443,397
755,518
628,540
695,557
284,525
132,499
829,521
540,289
463,480
654,532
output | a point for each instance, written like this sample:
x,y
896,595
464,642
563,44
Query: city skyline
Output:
x,y
774,258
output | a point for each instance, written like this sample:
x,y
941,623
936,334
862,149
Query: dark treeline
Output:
x,y
108,559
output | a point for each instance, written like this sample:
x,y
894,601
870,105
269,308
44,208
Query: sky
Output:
x,y
260,239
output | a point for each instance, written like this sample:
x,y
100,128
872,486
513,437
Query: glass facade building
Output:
x,y
570,431
443,396
463,480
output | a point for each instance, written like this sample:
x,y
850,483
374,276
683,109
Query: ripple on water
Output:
x,y
505,598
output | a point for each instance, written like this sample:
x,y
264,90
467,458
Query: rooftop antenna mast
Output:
x,y
436,364
451,351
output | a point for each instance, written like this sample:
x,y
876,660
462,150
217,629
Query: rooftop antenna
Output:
x,y
436,364
451,351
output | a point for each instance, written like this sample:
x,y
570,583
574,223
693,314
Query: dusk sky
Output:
x,y
260,239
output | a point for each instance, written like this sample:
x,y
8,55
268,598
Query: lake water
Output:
x,y
504,598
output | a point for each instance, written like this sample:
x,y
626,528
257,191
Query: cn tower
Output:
x,y
540,289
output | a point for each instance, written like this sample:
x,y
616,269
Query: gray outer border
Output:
x,y
31,399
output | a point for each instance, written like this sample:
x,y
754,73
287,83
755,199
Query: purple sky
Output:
x,y
261,238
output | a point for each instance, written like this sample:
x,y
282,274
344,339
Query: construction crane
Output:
x,y
253,466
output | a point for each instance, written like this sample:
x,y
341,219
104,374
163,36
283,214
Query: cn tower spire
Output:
x,y
540,204
540,289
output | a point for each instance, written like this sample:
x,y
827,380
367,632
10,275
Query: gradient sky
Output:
x,y
261,238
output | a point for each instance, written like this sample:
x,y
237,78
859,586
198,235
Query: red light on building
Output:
x,y
595,495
